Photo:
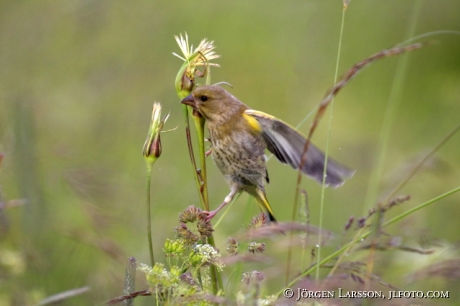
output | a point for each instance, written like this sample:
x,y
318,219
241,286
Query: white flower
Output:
x,y
205,48
144,268
208,254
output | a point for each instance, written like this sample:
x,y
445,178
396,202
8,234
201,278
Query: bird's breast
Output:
x,y
236,152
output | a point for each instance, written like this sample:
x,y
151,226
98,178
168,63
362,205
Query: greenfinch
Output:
x,y
239,136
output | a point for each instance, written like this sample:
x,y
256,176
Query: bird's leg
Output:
x,y
207,153
228,199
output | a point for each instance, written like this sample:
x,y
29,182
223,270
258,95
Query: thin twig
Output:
x,y
128,297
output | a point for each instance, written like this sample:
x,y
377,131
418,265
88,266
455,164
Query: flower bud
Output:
x,y
152,145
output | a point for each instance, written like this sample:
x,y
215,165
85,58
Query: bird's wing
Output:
x,y
287,145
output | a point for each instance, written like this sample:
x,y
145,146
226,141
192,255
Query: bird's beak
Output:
x,y
189,101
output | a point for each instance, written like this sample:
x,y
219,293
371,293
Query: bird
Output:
x,y
239,136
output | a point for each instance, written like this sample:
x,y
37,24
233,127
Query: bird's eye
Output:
x,y
203,98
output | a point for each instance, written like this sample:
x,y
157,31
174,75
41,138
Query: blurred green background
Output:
x,y
77,83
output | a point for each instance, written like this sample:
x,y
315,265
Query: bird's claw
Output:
x,y
209,215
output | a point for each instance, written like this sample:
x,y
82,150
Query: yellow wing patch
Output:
x,y
250,115
252,122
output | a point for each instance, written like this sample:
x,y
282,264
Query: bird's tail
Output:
x,y
263,203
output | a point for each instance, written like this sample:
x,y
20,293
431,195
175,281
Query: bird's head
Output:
x,y
214,103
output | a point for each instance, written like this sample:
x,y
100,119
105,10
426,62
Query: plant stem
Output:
x,y
199,126
149,221
192,155
216,277
326,151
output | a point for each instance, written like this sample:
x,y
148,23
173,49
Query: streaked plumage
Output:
x,y
239,136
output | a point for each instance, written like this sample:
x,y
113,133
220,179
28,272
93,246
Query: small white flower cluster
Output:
x,y
209,255
144,268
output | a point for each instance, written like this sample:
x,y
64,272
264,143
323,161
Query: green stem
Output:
x,y
149,219
216,278
326,151
423,205
199,126
191,154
